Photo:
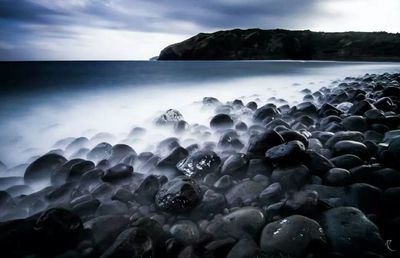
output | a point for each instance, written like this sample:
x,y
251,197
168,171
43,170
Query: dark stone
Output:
x,y
245,247
384,104
146,190
360,108
112,208
338,177
342,136
351,147
245,221
291,237
100,151
365,197
185,231
252,105
78,169
43,167
260,143
272,194
235,165
86,209
291,135
119,152
350,233
347,161
291,178
59,176
223,182
259,167
317,164
178,195
173,158
355,123
199,163
221,121
287,154
117,173
265,112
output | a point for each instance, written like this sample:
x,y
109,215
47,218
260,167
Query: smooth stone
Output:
x,y
235,165
291,135
172,158
291,236
355,123
117,173
289,153
360,108
342,136
221,121
260,143
347,161
59,176
350,233
99,152
78,169
351,147
147,189
43,167
223,182
244,248
199,163
265,112
317,163
245,221
178,195
259,167
119,152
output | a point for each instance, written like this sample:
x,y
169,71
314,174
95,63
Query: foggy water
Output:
x,y
44,102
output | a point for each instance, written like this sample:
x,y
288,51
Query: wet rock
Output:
x,y
365,197
289,153
178,195
291,178
42,168
360,108
245,221
241,126
347,161
171,159
264,112
272,194
170,117
181,126
211,203
59,176
384,104
235,165
350,233
252,105
344,136
224,182
86,209
147,189
293,236
246,191
120,152
185,231
210,101
117,173
99,152
393,153
199,163
76,144
78,169
291,135
317,164
351,147
259,167
260,143
355,123
221,121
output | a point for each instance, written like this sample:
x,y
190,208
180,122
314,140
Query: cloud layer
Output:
x,y
117,29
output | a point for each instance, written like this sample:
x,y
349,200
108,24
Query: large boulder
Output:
x,y
221,121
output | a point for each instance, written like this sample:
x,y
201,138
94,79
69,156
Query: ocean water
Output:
x,y
44,102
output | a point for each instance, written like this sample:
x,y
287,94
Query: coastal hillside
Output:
x,y
257,44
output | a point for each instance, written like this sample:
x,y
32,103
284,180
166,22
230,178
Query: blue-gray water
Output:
x,y
42,102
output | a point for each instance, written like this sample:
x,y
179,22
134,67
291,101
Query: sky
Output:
x,y
140,29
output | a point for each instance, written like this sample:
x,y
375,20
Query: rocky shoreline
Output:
x,y
317,179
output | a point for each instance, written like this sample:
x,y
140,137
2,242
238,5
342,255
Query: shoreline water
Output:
x,y
268,178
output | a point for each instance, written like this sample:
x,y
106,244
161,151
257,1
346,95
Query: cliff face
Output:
x,y
257,44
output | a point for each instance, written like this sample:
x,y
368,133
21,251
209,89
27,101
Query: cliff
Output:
x,y
257,44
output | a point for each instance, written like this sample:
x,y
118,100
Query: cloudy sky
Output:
x,y
139,29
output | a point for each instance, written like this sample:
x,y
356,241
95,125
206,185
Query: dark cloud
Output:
x,y
25,11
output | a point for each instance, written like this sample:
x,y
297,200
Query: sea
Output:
x,y
42,103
